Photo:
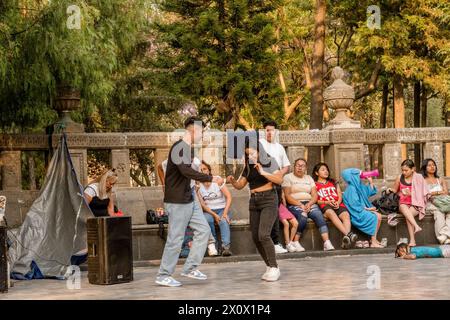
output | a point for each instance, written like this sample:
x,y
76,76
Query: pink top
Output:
x,y
405,199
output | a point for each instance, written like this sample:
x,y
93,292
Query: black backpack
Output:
x,y
153,218
387,203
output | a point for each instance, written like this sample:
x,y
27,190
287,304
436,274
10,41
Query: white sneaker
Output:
x,y
298,246
327,246
291,247
167,281
280,249
263,277
447,241
273,274
212,251
442,238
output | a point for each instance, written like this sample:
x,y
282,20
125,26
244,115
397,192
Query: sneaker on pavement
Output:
x,y
353,237
280,249
346,242
273,274
291,247
167,281
226,251
263,277
212,251
195,274
327,246
298,246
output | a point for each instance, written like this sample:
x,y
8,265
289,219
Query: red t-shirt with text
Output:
x,y
327,191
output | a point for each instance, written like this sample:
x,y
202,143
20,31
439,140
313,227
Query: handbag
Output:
x,y
442,202
388,202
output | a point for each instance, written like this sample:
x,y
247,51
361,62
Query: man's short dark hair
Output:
x,y
193,120
270,123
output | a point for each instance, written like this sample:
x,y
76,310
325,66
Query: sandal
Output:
x,y
366,244
359,245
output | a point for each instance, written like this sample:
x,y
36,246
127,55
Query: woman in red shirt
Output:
x,y
330,202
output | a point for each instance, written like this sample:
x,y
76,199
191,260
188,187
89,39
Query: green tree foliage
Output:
x,y
220,55
38,51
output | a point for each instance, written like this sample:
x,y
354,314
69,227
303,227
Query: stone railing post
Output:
x,y
392,160
295,152
161,154
120,160
347,139
79,160
10,162
435,151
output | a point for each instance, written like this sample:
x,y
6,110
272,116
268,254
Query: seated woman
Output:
x,y
330,202
412,190
301,197
216,202
99,194
407,252
439,203
363,214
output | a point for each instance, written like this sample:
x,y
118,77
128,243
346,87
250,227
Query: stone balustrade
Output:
x,y
342,148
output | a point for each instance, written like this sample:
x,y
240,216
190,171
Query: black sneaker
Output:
x,y
353,237
226,252
346,242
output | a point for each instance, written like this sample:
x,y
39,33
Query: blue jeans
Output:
x,y
223,226
182,215
315,214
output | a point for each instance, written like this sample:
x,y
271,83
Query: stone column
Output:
x,y
435,151
161,154
345,153
295,152
120,160
10,162
79,160
392,160
447,159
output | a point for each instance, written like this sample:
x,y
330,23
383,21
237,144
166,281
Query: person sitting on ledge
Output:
x,y
363,214
216,203
99,194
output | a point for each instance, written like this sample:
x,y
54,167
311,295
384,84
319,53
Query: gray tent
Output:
x,y
55,226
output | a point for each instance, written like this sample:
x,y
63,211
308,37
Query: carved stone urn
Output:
x,y
340,97
67,100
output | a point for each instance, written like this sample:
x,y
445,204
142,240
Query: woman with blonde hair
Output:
x,y
99,194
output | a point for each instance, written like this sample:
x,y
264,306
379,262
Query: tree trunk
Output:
x,y
316,112
424,105
417,88
384,104
399,108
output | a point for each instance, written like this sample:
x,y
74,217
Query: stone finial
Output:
x,y
340,97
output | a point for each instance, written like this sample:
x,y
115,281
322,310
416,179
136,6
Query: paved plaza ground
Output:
x,y
335,277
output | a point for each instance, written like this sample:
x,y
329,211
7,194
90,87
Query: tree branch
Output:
x,y
372,85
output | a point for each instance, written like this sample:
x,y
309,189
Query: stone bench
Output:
x,y
147,245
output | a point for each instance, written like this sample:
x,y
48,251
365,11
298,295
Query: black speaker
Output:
x,y
110,255
3,261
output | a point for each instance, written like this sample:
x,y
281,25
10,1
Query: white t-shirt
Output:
x,y
276,151
195,165
92,190
300,187
213,196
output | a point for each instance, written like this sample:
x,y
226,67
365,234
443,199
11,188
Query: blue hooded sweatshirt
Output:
x,y
356,198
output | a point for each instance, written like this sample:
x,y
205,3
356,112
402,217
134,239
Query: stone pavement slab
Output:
x,y
332,277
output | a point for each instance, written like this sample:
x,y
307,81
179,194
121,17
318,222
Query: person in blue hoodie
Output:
x,y
363,214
